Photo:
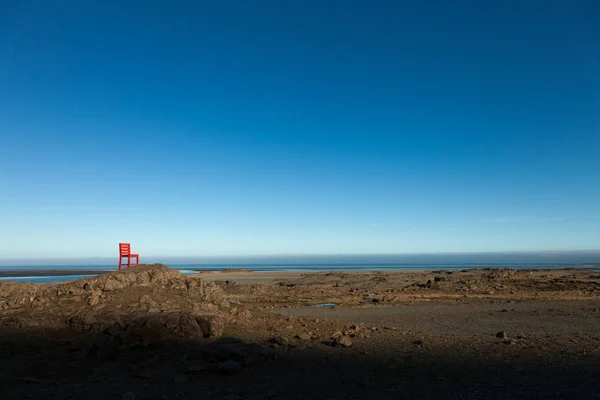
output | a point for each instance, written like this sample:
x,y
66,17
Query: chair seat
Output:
x,y
130,255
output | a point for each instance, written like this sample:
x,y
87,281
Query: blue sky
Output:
x,y
298,127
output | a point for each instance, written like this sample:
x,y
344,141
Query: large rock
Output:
x,y
156,278
156,275
147,298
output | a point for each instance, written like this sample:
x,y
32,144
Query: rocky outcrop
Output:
x,y
147,301
152,276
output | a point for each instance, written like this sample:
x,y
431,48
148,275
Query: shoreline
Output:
x,y
244,275
216,272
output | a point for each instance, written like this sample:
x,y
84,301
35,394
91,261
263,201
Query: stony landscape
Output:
x,y
152,333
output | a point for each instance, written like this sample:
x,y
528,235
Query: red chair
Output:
x,y
125,252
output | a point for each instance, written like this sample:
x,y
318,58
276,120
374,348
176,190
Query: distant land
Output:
x,y
510,257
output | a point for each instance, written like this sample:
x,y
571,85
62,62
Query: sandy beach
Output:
x,y
153,333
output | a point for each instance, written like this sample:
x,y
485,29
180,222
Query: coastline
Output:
x,y
281,273
252,277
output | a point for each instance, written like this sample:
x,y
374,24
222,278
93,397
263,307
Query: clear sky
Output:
x,y
306,127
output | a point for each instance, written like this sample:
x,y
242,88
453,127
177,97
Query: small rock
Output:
x,y
521,336
351,330
94,298
418,343
502,335
145,299
341,341
304,336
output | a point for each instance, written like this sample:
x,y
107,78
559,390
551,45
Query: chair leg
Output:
x,y
128,262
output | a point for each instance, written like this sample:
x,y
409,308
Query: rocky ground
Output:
x,y
152,333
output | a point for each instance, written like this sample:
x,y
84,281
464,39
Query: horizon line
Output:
x,y
317,254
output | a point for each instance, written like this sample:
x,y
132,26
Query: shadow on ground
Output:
x,y
62,364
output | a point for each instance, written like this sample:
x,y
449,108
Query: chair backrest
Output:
x,y
124,249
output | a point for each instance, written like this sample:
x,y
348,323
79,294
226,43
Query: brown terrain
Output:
x,y
150,332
